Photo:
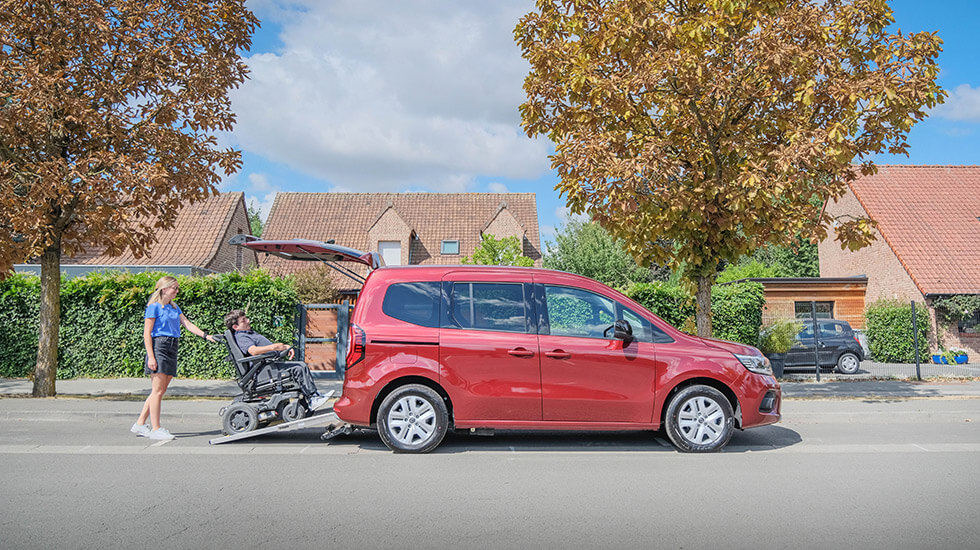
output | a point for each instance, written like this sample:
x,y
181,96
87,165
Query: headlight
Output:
x,y
758,364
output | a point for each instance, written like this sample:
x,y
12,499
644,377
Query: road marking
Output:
x,y
161,443
157,448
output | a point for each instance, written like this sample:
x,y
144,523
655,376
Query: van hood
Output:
x,y
731,347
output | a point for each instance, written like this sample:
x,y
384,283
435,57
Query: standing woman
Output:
x,y
161,332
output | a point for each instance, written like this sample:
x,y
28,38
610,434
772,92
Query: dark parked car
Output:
x,y
838,344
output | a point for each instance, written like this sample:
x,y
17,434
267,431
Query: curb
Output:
x,y
97,416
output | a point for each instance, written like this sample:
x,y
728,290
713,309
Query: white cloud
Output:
x,y
264,204
497,187
259,183
376,96
962,104
565,215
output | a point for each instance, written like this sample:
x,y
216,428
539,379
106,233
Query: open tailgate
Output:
x,y
310,251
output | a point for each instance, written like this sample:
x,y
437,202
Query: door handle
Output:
x,y
558,354
520,352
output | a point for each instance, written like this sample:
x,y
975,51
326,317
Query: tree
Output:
x,y
797,260
107,115
494,251
255,220
698,130
587,249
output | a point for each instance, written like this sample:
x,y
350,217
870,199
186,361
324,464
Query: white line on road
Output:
x,y
801,448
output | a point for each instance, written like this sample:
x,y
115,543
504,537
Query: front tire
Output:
x,y
293,411
848,363
413,419
700,420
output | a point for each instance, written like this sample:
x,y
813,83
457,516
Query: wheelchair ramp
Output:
x,y
321,419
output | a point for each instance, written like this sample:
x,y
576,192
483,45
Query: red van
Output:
x,y
492,347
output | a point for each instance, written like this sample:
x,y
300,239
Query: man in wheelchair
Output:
x,y
252,343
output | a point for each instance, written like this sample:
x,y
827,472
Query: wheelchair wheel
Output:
x,y
293,411
239,418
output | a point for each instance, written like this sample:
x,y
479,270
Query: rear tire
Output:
x,y
699,420
240,418
413,419
848,363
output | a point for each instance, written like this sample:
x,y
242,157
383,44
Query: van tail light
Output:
x,y
358,345
856,340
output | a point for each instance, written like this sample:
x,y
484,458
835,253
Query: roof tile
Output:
x,y
930,217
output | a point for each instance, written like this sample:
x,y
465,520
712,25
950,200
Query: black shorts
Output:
x,y
165,351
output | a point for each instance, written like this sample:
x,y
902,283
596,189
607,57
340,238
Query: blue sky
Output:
x,y
422,95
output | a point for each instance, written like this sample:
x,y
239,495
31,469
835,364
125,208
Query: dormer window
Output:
x,y
450,247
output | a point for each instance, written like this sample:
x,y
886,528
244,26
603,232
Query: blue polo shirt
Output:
x,y
167,317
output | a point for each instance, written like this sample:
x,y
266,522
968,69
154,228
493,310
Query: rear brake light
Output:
x,y
358,345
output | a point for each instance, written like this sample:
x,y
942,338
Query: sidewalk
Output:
x,y
139,387
831,389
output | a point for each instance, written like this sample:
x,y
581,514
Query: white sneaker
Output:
x,y
318,402
160,434
142,430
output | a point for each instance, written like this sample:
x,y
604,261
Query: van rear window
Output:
x,y
416,303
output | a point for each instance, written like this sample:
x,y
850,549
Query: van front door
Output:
x,y
586,374
489,350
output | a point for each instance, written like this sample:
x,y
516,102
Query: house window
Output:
x,y
970,325
825,310
450,247
391,252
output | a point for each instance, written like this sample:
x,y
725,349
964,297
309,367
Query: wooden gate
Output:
x,y
323,338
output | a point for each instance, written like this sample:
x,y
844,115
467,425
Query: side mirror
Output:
x,y
623,331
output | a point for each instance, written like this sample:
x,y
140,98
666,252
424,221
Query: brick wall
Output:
x,y
234,258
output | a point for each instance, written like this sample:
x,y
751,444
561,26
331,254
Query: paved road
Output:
x,y
866,473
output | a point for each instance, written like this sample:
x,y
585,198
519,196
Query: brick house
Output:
x,y
405,228
928,240
196,245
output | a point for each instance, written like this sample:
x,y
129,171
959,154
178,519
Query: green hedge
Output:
x,y
20,300
101,332
736,310
889,330
667,300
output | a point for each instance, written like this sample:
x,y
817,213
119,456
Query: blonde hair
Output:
x,y
165,282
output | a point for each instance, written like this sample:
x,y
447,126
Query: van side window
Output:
x,y
416,303
576,312
643,330
489,306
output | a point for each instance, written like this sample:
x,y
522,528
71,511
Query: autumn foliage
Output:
x,y
108,110
698,130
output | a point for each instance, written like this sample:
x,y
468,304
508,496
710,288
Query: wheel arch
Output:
x,y
404,381
716,384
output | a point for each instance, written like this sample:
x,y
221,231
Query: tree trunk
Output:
x,y
703,314
47,344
